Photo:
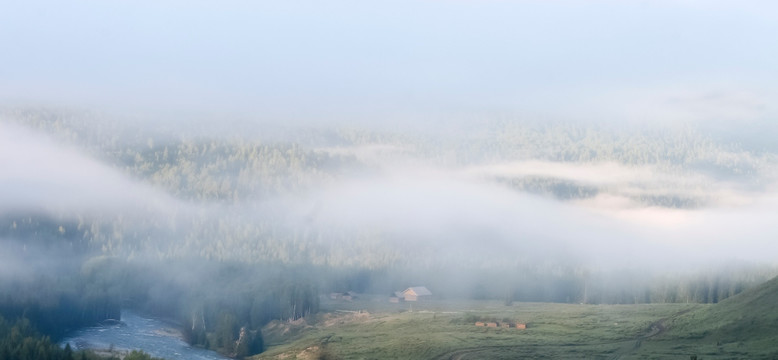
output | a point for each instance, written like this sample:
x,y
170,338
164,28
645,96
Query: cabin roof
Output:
x,y
417,290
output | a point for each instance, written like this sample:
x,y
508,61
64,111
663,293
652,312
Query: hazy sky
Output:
x,y
633,60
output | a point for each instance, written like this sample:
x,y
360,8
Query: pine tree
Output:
x,y
68,353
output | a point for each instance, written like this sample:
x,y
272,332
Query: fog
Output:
x,y
455,208
199,161
438,210
40,174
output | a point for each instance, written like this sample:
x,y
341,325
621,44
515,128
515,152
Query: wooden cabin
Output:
x,y
416,293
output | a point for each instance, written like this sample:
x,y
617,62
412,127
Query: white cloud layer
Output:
x,y
40,174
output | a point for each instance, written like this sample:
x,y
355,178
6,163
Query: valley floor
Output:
x,y
373,328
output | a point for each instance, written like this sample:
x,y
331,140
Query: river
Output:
x,y
135,332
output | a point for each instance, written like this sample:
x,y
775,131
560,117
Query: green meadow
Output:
x,y
372,328
744,326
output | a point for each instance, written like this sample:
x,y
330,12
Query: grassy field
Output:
x,y
744,326
373,328
741,327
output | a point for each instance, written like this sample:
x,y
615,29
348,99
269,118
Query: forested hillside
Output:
x,y
228,231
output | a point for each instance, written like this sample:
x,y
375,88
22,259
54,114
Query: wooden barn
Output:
x,y
416,293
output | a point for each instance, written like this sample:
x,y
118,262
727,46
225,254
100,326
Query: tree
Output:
x,y
226,331
67,353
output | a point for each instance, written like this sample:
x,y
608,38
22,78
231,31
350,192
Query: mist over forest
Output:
x,y
226,166
528,199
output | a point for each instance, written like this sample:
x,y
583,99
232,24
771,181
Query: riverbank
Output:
x,y
156,337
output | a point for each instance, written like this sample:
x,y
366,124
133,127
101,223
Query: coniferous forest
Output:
x,y
201,235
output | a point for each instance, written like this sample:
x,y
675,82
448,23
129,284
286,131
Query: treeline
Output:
x,y
558,283
473,141
20,340
223,306
228,169
579,285
59,297
66,311
222,235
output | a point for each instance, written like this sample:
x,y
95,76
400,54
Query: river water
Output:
x,y
135,332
